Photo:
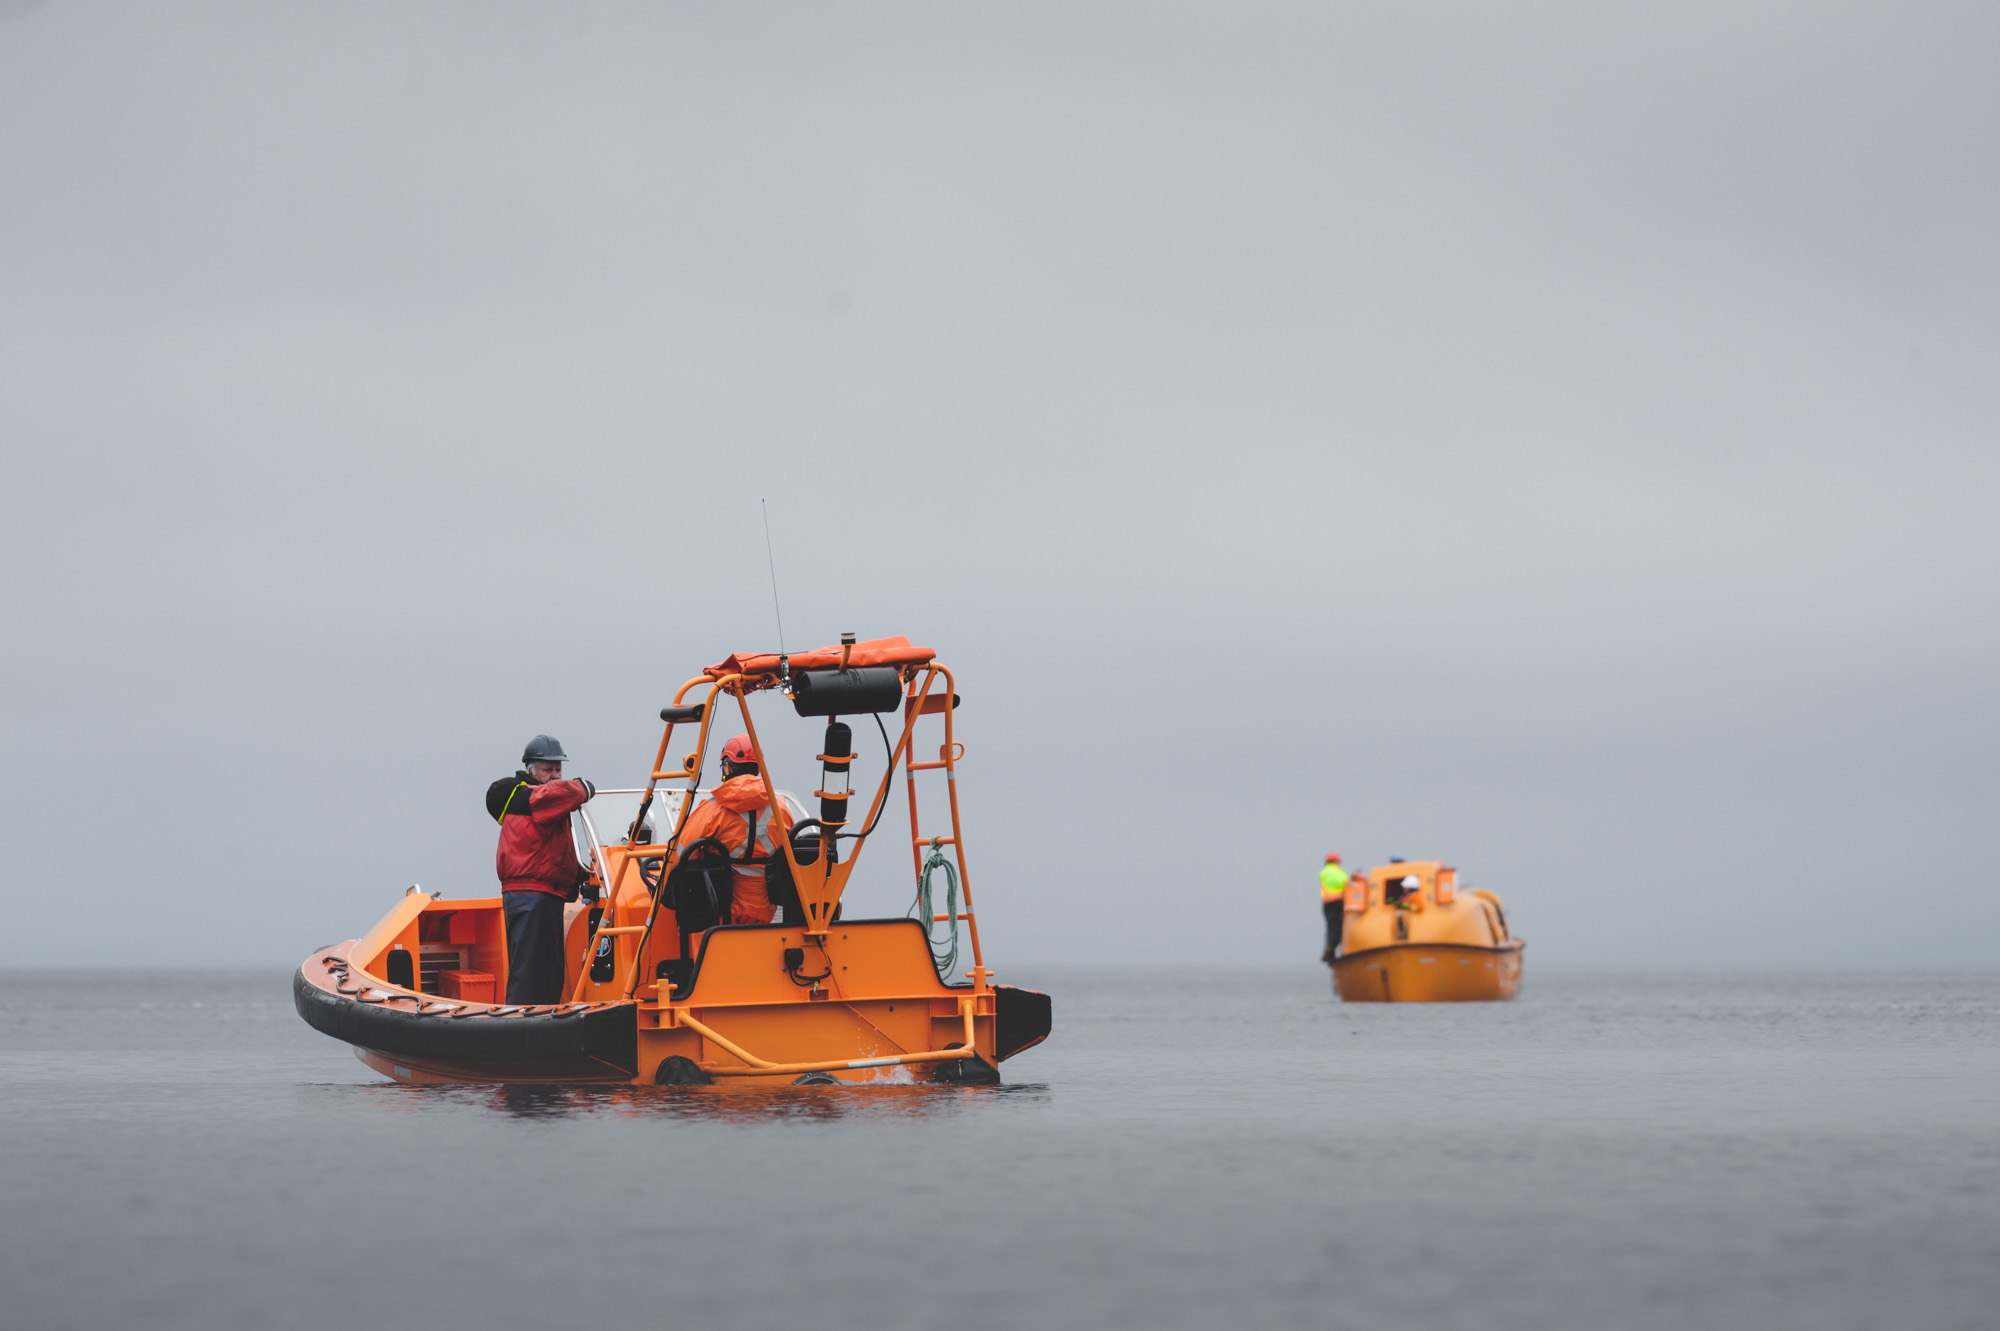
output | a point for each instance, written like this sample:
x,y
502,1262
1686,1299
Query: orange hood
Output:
x,y
740,794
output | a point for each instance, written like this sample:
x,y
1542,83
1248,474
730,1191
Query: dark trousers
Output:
x,y
1336,915
534,947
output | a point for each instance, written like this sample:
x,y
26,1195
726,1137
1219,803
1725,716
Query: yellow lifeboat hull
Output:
x,y
1429,973
1412,935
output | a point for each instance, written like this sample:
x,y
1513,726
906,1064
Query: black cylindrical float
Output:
x,y
847,692
834,762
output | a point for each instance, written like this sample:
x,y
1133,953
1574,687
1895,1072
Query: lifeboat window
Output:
x,y
1395,889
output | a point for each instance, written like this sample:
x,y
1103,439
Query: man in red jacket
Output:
x,y
537,865
740,812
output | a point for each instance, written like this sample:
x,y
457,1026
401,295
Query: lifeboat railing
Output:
x,y
920,703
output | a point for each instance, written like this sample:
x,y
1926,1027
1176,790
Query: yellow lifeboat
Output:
x,y
1413,935
659,986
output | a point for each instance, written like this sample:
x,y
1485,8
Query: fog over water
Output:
x,y
1558,438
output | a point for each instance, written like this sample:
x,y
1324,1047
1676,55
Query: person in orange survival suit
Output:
x,y
738,813
537,864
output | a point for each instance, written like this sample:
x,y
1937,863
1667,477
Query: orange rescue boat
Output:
x,y
658,990
1413,935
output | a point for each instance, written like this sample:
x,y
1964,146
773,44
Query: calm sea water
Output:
x,y
1188,1150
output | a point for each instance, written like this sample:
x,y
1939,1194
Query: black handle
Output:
x,y
692,712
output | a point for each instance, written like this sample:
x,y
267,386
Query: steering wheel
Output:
x,y
819,839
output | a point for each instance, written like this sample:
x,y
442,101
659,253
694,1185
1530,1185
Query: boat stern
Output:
x,y
859,1002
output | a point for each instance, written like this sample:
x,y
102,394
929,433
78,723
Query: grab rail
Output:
x,y
596,850
758,1067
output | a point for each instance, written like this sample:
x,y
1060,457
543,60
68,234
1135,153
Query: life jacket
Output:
x,y
738,816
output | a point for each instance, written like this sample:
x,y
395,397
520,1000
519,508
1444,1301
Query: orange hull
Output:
x,y
1429,973
884,1004
1414,935
651,998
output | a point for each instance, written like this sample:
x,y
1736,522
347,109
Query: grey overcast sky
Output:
x,y
1554,437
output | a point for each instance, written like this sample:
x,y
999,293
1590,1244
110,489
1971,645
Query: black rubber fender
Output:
x,y
675,1070
967,1072
608,1035
1021,1019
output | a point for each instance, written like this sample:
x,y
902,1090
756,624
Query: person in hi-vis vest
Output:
x,y
1332,902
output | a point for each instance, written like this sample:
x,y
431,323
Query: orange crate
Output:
x,y
470,986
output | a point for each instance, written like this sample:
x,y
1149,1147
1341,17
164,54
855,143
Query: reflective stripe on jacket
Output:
x,y
1332,883
728,815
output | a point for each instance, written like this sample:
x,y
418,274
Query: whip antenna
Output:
x,y
784,666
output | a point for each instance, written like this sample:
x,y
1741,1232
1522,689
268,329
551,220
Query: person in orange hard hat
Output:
x,y
739,815
1332,903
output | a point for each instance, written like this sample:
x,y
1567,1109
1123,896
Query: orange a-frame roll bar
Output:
x,y
830,882
605,927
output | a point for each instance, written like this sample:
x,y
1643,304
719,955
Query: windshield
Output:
x,y
612,811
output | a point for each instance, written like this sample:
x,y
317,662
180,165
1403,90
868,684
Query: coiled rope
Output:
x,y
944,955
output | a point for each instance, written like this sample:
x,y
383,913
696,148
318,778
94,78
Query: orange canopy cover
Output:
x,y
874,652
